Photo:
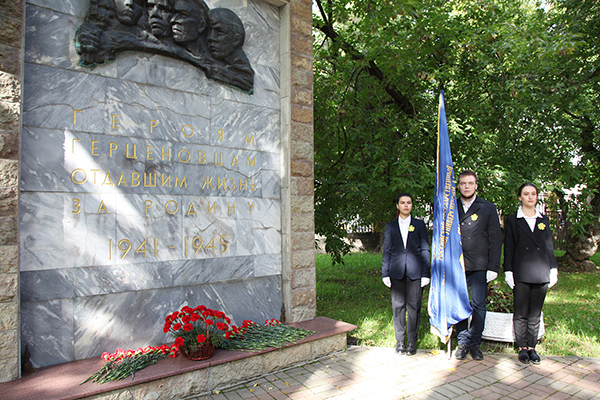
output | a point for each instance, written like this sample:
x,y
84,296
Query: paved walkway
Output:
x,y
362,373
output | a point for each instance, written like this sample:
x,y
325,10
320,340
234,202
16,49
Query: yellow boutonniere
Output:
x,y
474,217
541,226
411,228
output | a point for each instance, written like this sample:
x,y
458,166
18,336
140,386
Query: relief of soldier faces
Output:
x,y
210,39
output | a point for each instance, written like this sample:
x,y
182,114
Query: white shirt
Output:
x,y
530,220
465,205
403,224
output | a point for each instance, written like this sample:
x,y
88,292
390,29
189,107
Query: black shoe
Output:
x,y
411,349
400,349
533,356
461,351
524,356
476,352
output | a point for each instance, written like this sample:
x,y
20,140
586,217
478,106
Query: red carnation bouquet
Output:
x,y
194,327
197,331
122,364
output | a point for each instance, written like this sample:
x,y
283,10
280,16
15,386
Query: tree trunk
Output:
x,y
581,248
379,248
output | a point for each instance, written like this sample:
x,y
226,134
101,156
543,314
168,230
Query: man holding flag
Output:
x,y
482,245
448,295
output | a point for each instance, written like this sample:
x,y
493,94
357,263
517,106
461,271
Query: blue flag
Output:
x,y
448,293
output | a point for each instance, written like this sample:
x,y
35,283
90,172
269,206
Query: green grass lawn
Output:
x,y
354,293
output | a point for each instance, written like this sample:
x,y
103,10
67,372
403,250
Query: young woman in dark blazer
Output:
x,y
406,270
530,268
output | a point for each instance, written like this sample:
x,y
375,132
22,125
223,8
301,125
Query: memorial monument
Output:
x,y
166,159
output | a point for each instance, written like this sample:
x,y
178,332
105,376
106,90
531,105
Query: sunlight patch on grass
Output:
x,y
376,332
563,340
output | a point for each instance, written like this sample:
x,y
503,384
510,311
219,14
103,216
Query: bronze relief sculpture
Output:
x,y
209,39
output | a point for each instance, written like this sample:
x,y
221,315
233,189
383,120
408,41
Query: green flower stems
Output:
x,y
257,337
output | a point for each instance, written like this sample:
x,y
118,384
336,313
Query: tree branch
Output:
x,y
371,68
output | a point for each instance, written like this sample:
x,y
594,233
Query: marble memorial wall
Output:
x,y
145,186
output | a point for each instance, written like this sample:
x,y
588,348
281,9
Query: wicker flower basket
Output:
x,y
204,352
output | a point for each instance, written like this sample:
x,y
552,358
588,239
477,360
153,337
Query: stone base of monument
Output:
x,y
176,378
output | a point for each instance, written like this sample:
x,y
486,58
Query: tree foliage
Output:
x,y
521,86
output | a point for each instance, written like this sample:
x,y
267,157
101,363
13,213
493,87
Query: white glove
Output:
x,y
509,279
490,276
425,281
553,277
386,281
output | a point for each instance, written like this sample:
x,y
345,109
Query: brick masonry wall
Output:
x,y
302,280
11,35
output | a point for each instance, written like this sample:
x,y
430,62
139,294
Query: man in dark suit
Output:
x,y
406,270
481,238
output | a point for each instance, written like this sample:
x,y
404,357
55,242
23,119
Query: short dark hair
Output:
x,y
403,195
523,186
467,172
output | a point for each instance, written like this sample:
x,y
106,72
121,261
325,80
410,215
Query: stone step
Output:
x,y
176,378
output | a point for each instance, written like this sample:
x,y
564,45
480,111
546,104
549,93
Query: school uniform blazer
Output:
x,y
481,236
529,255
412,261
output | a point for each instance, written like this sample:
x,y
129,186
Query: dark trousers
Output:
x,y
476,282
528,302
406,307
